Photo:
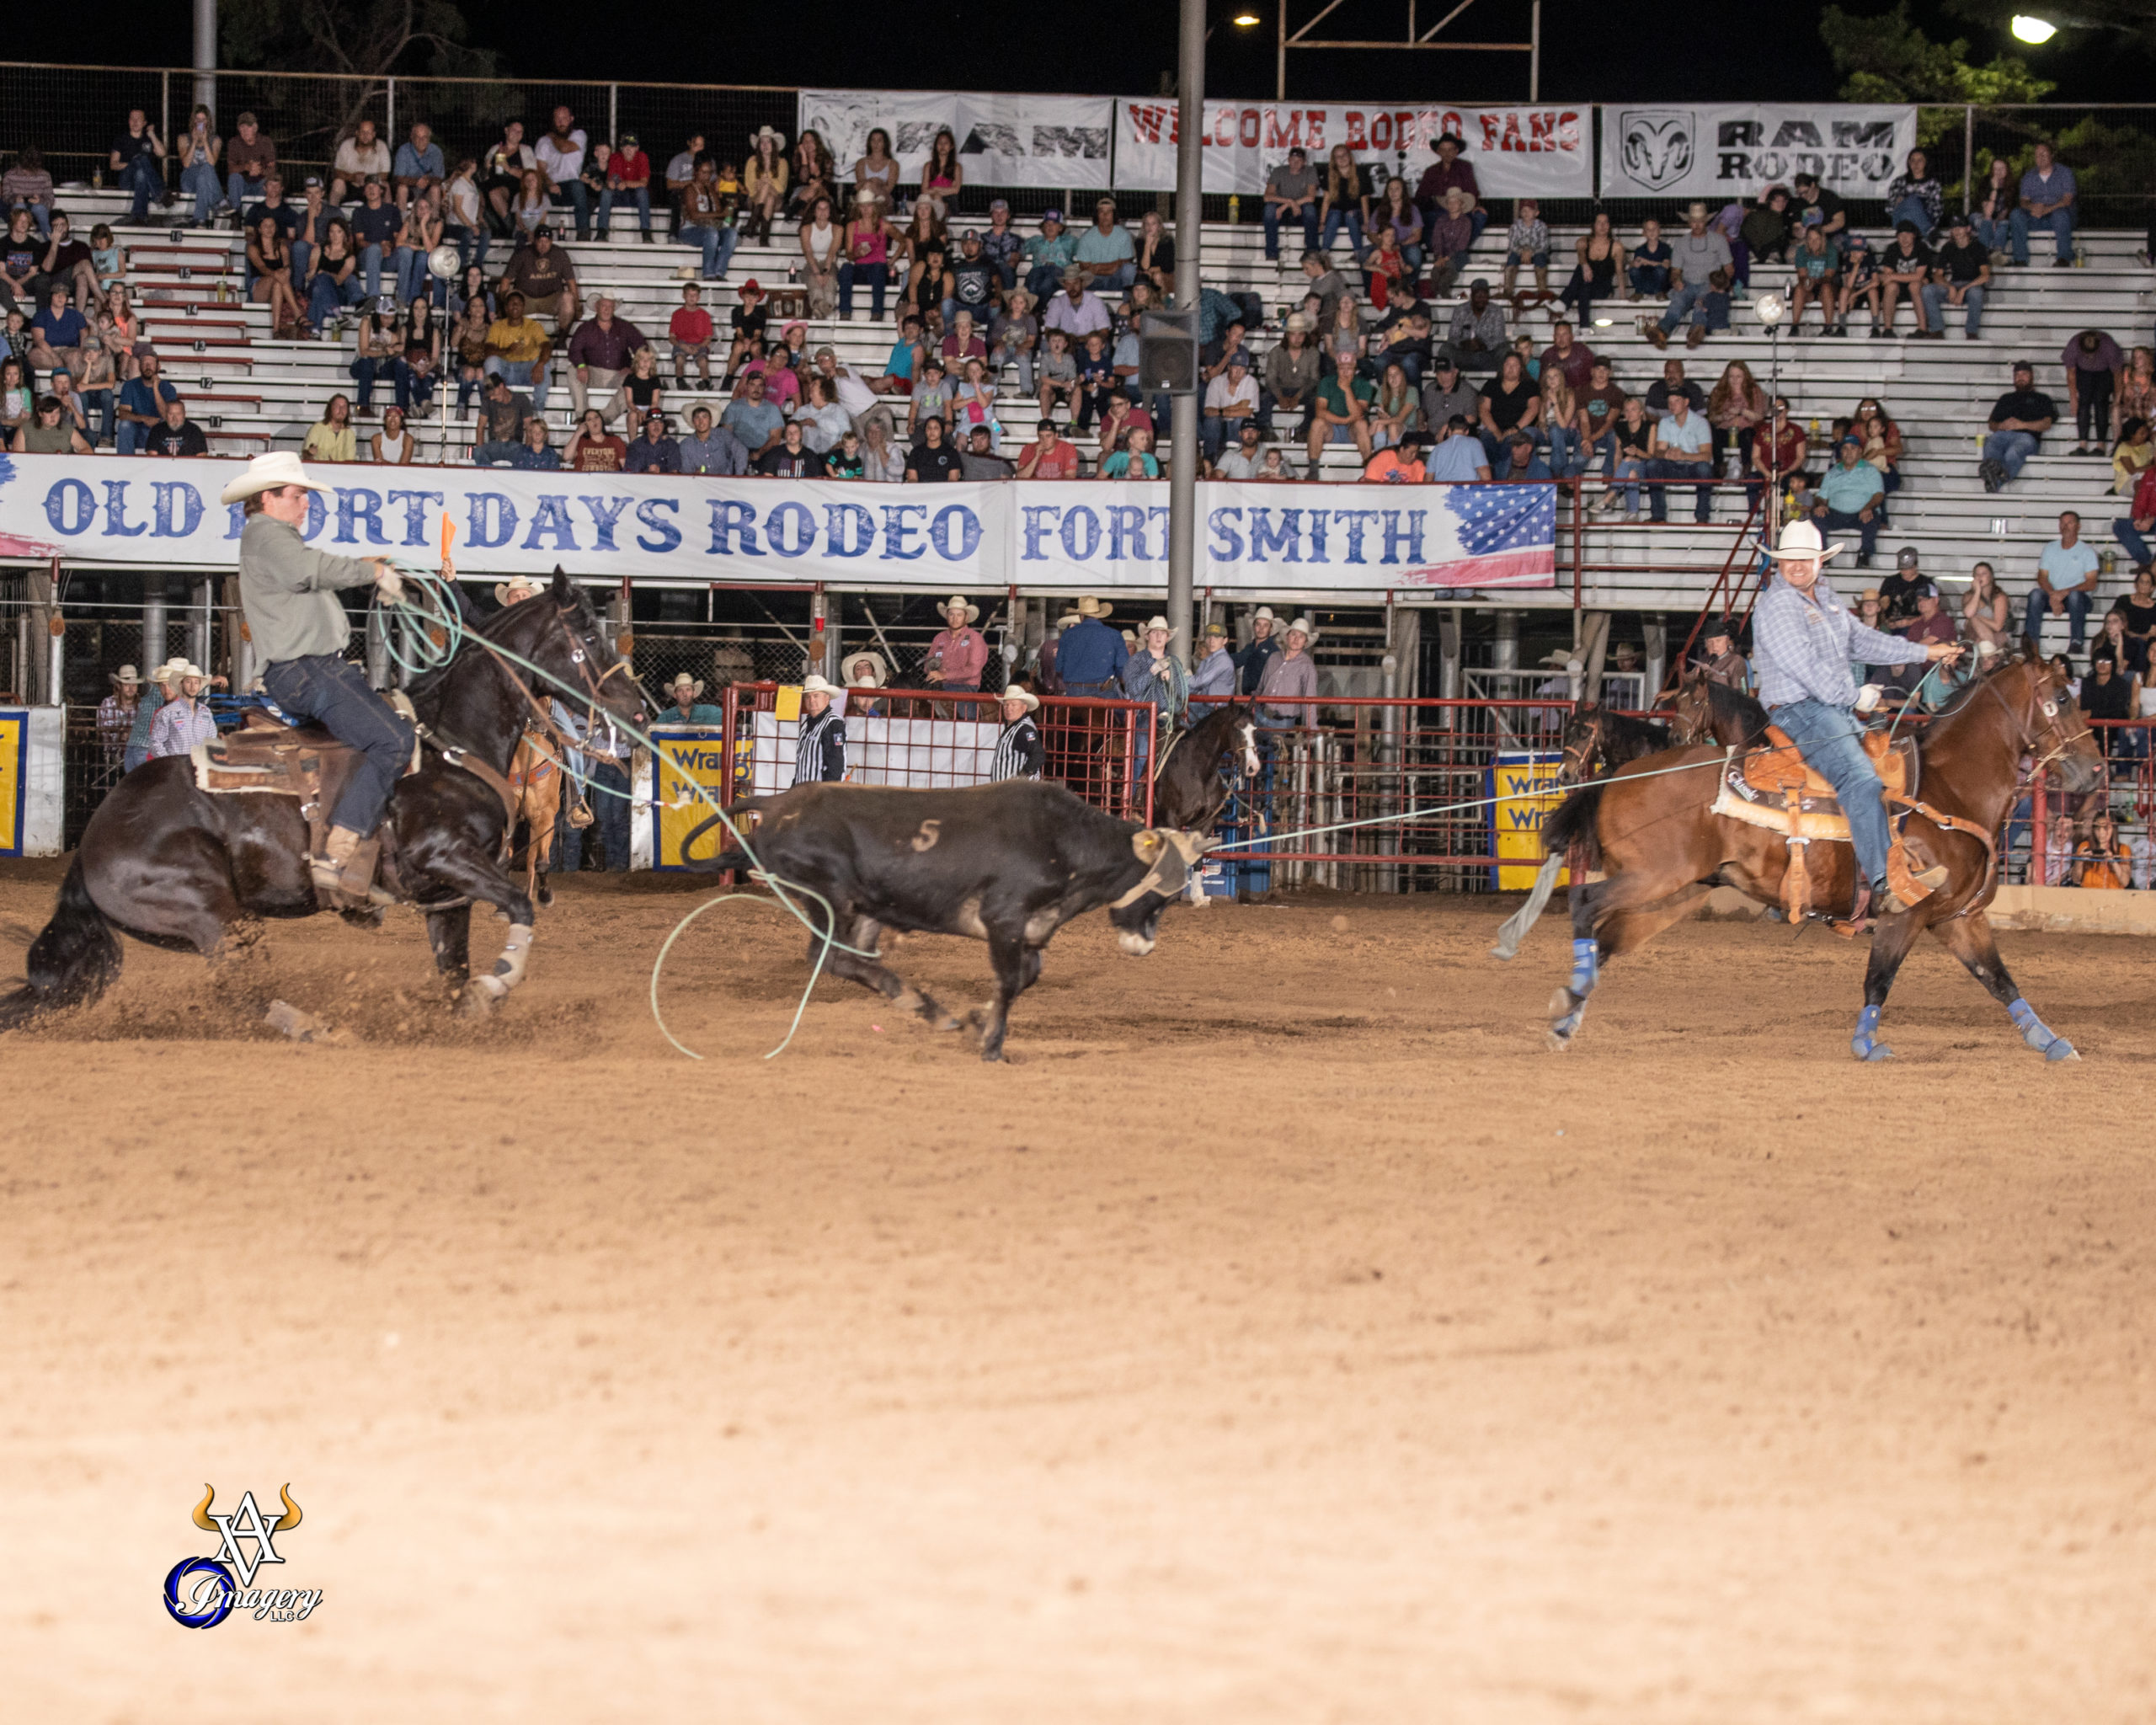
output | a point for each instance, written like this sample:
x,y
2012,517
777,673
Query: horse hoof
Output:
x,y
1871,1052
1557,1041
475,1002
2062,1050
1561,1003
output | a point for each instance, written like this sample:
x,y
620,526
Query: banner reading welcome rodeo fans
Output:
x,y
1520,152
150,513
1737,151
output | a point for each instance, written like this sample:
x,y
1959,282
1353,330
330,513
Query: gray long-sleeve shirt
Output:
x,y
288,591
1285,677
1698,258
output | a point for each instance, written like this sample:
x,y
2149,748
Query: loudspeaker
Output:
x,y
1167,352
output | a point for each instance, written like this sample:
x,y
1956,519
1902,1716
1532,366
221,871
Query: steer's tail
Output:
x,y
71,962
733,857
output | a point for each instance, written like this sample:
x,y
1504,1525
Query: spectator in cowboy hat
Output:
x,y
1289,674
1718,659
1018,749
959,652
1090,656
515,590
116,712
687,709
820,746
182,722
864,670
1264,644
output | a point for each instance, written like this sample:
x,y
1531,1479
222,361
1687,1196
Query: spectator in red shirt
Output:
x,y
1575,358
959,652
1445,173
1049,456
690,329
628,181
594,449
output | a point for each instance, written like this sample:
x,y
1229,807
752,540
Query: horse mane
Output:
x,y
1630,738
1727,703
432,683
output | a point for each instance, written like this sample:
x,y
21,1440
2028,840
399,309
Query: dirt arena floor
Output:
x,y
1281,1335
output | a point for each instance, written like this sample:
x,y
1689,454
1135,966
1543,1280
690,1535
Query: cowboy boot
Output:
x,y
328,866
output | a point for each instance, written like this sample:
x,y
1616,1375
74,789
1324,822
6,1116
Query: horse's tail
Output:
x,y
71,962
1570,829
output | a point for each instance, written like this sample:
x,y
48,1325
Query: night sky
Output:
x,y
1671,49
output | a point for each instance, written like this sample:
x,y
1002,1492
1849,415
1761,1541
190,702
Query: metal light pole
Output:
x,y
1183,409
205,54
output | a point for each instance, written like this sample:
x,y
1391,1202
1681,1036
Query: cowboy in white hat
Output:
x,y
1155,674
1089,656
959,652
288,591
819,745
1018,749
182,722
865,669
116,712
1292,673
1264,644
515,590
1803,642
688,710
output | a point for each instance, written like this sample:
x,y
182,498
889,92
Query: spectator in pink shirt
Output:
x,y
958,655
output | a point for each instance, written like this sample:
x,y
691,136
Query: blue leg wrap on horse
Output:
x,y
1586,956
2038,1034
1866,1044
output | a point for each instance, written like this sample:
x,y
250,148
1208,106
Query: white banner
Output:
x,y
916,754
1032,141
147,512
1736,151
1528,151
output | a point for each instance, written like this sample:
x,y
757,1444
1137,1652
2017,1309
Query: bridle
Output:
x,y
1578,757
2030,733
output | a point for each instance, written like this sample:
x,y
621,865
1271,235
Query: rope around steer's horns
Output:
x,y
1163,842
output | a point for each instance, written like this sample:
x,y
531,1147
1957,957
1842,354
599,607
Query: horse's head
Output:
x,y
1243,723
2054,728
560,631
1692,710
1582,742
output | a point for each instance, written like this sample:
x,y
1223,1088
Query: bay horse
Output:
x,y
1192,787
1598,740
1661,848
182,868
1703,708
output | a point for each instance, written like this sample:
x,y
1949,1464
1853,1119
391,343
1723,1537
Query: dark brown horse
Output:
x,y
1192,787
178,868
1652,834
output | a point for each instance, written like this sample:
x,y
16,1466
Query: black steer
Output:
x,y
1008,864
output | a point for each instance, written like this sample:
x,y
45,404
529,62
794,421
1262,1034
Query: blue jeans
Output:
x,y
1308,218
2011,450
520,374
1350,219
1935,308
1910,209
41,216
1996,235
239,189
142,178
1835,521
1650,281
1681,303
717,244
325,297
878,278
471,247
610,813
367,370
199,182
411,276
1118,276
639,195
1568,458
1702,495
1042,281
1629,472
578,196
370,259
132,437
2122,530
1828,737
2077,616
2060,222
100,403
334,693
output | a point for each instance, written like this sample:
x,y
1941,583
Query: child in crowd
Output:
x,y
1058,373
1527,241
691,333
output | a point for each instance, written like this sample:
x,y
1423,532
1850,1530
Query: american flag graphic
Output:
x,y
1506,537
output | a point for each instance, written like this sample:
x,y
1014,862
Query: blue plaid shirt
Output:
x,y
1802,645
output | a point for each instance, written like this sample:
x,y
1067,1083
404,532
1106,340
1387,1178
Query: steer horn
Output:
x,y
291,1518
202,1510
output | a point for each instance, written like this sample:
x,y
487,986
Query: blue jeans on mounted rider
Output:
x,y
334,693
1827,737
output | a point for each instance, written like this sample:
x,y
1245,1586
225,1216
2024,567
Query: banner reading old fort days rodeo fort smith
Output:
x,y
1349,538
1058,141
1520,151
1719,153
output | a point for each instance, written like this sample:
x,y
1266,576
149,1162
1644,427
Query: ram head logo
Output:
x,y
1657,146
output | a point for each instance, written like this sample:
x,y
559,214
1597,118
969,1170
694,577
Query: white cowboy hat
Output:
x,y
1561,656
956,602
878,672
173,670
266,472
688,272
815,685
1092,607
1159,623
1264,612
1068,619
765,131
1014,692
1130,637
1303,626
684,680
1801,540
515,590
126,674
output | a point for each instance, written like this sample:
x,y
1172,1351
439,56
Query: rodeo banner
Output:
x,y
1057,142
152,513
1737,151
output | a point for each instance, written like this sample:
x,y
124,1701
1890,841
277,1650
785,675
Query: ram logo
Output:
x,y
1657,146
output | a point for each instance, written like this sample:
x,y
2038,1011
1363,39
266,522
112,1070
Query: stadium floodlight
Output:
x,y
1246,20
2035,31
1771,308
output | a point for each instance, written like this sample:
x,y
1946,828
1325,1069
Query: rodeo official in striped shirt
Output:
x,y
1018,749
820,746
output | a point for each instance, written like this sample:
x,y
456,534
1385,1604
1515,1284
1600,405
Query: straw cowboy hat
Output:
x,y
173,670
1263,614
878,672
1303,626
1559,658
1016,692
1091,607
266,472
761,132
515,590
1800,542
1070,619
812,684
955,602
1160,623
684,680
1130,637
126,674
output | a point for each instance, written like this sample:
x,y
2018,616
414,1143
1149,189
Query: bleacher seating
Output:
x,y
251,392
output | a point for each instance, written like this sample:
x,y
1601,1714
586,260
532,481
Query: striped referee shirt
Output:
x,y
820,750
1017,750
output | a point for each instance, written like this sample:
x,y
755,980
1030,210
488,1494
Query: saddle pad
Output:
x,y
289,771
1812,817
